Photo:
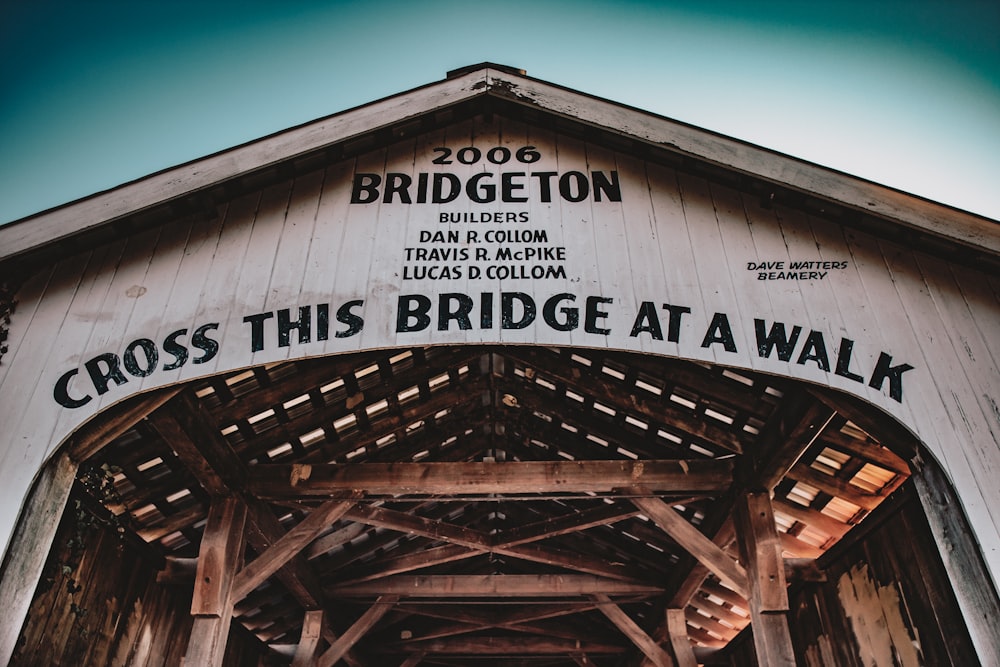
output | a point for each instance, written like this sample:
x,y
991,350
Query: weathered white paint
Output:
x,y
673,239
397,110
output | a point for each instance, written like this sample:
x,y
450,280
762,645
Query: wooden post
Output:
x,y
219,558
29,547
962,558
761,549
679,642
312,631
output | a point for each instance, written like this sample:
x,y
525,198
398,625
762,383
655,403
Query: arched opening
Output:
x,y
496,505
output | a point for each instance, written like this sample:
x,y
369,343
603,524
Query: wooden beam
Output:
x,y
695,542
220,556
494,618
263,530
761,550
290,544
803,569
413,660
291,481
349,657
411,524
601,515
834,486
492,585
466,537
418,559
312,632
381,607
515,646
698,574
570,560
680,644
177,571
96,434
186,427
631,629
789,446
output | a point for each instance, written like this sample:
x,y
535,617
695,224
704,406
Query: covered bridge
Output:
x,y
496,373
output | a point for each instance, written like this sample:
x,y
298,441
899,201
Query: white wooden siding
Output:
x,y
674,238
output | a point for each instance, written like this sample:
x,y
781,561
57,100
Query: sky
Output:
x,y
96,93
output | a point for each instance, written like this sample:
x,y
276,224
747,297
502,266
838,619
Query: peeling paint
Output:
x,y
876,615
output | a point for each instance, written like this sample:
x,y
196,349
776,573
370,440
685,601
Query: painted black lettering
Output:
x,y
674,325
844,361
61,392
355,323
397,183
528,310
719,331
593,313
101,376
468,155
149,351
200,340
566,186
365,189
302,326
481,194
498,155
443,158
257,330
412,307
508,186
647,321
322,321
814,349
485,309
570,316
176,350
460,313
775,339
544,184
438,195
422,187
602,186
895,374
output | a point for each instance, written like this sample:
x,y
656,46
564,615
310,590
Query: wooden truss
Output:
x,y
490,505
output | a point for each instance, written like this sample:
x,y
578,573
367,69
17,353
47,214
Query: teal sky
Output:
x,y
96,93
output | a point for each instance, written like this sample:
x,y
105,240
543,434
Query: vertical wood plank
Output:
x,y
312,631
29,547
761,549
679,642
219,558
962,560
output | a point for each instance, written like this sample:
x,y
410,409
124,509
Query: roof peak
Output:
x,y
461,71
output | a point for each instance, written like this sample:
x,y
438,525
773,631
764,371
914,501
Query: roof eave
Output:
x,y
49,227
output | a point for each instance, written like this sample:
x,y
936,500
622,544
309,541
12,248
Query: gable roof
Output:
x,y
491,88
